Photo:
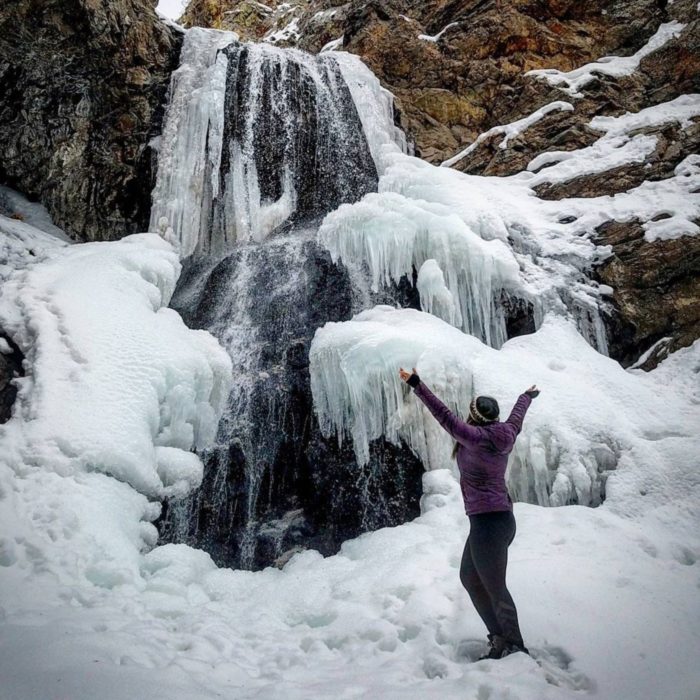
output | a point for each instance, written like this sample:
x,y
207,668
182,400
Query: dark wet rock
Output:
x,y
83,84
10,368
656,291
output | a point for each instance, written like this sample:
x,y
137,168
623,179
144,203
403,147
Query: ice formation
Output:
x,y
393,235
435,297
189,149
569,445
254,135
117,384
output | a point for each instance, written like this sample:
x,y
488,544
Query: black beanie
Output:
x,y
484,409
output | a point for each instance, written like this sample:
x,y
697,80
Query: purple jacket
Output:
x,y
482,456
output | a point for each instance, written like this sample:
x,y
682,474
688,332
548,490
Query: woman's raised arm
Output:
x,y
456,427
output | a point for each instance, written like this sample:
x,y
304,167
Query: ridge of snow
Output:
x,y
436,37
573,81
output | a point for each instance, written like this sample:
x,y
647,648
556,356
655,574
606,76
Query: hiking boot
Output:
x,y
500,647
513,648
497,645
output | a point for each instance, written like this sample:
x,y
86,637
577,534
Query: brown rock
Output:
x,y
656,290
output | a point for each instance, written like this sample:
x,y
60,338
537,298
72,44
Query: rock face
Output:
x,y
657,292
83,83
457,68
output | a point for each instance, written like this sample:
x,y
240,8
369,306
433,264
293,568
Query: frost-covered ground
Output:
x,y
118,391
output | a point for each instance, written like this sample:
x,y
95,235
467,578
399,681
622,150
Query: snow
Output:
x,y
436,37
333,45
13,204
118,385
385,617
290,32
682,110
617,147
172,9
573,81
511,130
22,244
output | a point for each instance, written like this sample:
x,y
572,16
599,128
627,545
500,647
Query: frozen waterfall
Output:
x,y
259,144
294,201
254,136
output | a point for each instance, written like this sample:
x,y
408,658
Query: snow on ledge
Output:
x,y
436,37
573,81
511,130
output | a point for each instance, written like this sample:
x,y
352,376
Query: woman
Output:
x,y
482,448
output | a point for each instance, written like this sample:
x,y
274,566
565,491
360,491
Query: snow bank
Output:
x,y
117,392
590,415
614,66
116,384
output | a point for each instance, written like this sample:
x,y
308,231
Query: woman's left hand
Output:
x,y
405,376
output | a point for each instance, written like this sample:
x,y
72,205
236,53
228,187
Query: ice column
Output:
x,y
189,152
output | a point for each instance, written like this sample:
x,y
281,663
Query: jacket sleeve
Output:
x,y
457,428
514,423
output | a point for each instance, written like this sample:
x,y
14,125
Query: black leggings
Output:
x,y
483,572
